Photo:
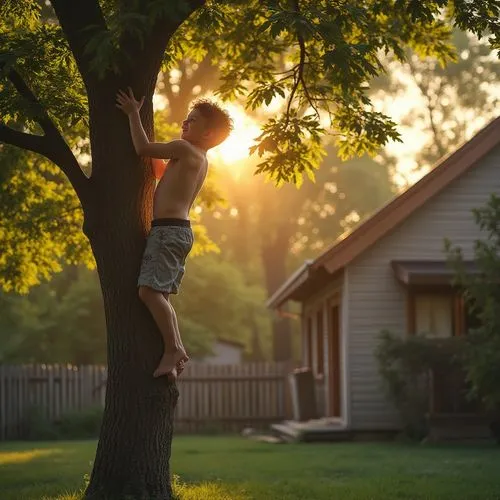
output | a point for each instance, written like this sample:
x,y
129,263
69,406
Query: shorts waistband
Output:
x,y
171,221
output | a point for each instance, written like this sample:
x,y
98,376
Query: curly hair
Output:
x,y
218,119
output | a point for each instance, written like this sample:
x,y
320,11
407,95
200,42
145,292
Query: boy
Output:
x,y
171,238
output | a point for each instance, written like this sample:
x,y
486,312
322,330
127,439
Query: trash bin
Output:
x,y
302,389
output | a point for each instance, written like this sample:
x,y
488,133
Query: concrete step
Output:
x,y
300,432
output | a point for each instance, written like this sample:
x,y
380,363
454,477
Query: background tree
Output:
x,y
53,73
63,321
450,103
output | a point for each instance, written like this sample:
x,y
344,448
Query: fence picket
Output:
x,y
228,397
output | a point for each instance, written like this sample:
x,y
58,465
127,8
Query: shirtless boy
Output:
x,y
171,238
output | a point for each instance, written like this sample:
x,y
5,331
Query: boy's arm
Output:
x,y
129,105
172,149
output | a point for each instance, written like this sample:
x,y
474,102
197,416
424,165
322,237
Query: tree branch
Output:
x,y
59,153
51,145
425,91
24,91
298,72
75,18
31,142
145,59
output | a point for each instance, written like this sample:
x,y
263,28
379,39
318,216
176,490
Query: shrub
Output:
x,y
81,424
77,424
37,426
405,364
482,295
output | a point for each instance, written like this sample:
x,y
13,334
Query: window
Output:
x,y
439,315
319,343
309,343
434,315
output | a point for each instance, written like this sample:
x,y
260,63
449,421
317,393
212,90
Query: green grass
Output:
x,y
231,468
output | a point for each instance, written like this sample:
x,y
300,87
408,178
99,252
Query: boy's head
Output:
x,y
207,124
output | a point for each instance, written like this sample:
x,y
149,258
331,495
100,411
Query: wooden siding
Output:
x,y
376,301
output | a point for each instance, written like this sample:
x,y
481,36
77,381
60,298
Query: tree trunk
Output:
x,y
274,254
132,460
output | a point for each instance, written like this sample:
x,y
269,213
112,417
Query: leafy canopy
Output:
x,y
317,56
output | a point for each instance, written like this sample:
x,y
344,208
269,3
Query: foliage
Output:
x,y
325,54
482,295
40,222
80,424
405,364
58,322
63,321
77,424
37,426
453,100
331,53
209,283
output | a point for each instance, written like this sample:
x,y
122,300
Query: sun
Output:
x,y
236,147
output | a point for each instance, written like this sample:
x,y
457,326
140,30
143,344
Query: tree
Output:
x,y
57,74
209,282
63,321
453,101
58,322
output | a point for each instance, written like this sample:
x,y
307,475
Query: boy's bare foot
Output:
x,y
169,362
180,367
172,376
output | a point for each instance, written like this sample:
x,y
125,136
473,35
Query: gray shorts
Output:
x,y
163,263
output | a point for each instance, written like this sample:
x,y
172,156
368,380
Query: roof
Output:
x,y
391,215
430,272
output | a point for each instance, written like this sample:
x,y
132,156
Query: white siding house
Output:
x,y
225,352
390,273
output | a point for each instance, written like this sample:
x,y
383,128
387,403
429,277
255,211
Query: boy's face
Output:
x,y
194,128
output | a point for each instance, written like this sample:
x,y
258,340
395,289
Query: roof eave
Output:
x,y
285,291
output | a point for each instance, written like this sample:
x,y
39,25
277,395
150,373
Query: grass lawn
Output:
x,y
231,468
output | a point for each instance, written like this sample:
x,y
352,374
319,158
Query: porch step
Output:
x,y
311,431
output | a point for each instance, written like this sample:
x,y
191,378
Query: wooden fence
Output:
x,y
212,397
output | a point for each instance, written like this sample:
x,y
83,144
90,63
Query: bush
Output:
x,y
405,364
37,426
482,295
84,424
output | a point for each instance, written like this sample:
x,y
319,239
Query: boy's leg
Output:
x,y
180,366
161,311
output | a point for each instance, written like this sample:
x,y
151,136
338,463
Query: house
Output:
x,y
390,273
225,352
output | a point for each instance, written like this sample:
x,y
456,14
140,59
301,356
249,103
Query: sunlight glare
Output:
x,y
19,457
236,146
